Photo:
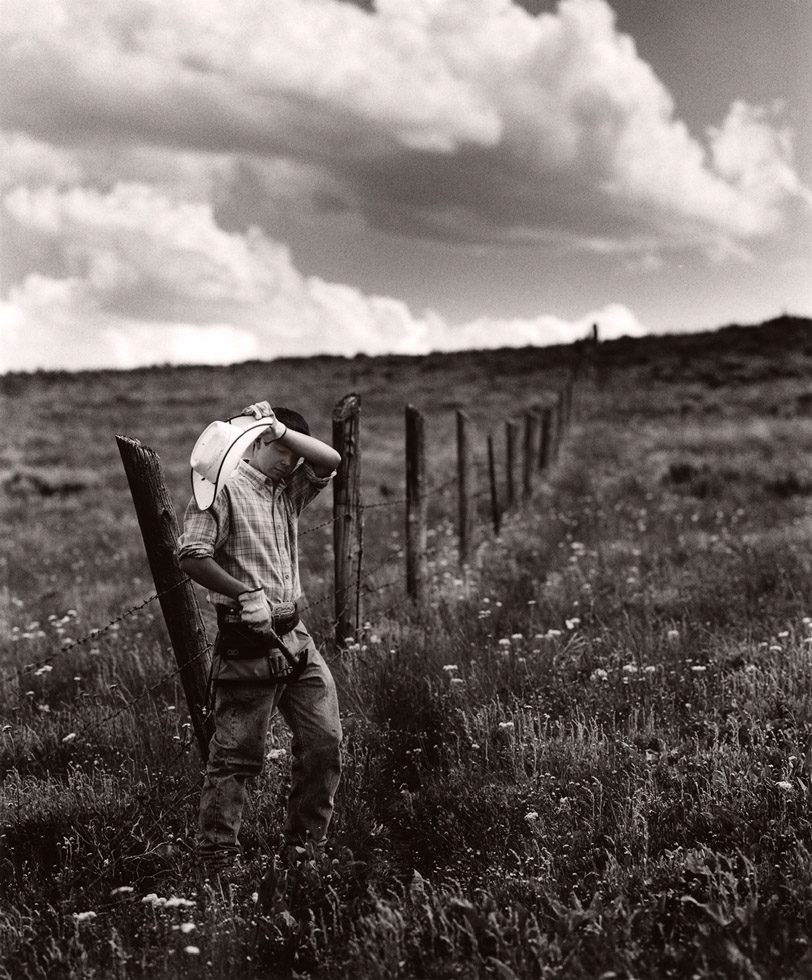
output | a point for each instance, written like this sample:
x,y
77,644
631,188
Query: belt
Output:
x,y
284,617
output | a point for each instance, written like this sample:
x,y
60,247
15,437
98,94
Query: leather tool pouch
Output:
x,y
241,655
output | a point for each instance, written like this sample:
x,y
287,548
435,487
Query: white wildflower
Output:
x,y
531,817
179,903
84,916
450,668
784,786
192,950
276,754
69,737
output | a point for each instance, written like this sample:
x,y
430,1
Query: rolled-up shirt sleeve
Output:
x,y
303,485
203,530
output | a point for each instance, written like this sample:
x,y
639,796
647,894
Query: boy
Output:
x,y
240,542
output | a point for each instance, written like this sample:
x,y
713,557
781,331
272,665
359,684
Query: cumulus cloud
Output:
x,y
460,119
149,149
147,280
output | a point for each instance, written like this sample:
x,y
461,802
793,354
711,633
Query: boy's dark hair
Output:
x,y
293,420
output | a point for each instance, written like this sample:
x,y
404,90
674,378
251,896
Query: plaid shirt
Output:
x,y
251,530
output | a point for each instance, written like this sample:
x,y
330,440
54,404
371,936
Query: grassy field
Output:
x,y
589,758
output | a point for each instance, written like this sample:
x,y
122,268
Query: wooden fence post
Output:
x,y
511,436
416,508
568,389
531,426
464,519
546,437
560,419
347,514
495,515
159,530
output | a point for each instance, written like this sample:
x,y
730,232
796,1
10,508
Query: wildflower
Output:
x,y
599,674
187,927
783,635
572,623
456,681
504,643
775,648
84,916
672,636
45,669
531,817
650,668
192,950
552,634
176,903
69,737
506,725
275,754
784,786
450,668
517,637
699,668
629,668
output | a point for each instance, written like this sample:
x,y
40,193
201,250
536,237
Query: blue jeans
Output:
x,y
242,713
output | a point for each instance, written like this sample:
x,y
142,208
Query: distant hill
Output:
x,y
789,334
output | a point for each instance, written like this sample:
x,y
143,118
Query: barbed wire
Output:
x,y
92,634
129,705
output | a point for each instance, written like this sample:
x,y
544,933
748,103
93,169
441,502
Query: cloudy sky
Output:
x,y
217,180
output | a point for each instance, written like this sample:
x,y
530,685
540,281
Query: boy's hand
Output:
x,y
263,410
254,609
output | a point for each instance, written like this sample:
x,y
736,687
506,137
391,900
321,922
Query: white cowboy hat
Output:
x,y
217,453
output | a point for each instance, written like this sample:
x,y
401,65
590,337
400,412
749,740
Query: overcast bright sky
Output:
x,y
216,180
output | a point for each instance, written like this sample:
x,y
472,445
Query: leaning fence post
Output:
x,y
464,518
495,515
511,435
416,507
347,514
159,529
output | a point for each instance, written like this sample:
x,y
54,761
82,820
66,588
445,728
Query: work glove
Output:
x,y
255,610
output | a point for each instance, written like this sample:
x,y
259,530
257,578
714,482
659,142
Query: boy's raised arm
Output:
x,y
321,457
